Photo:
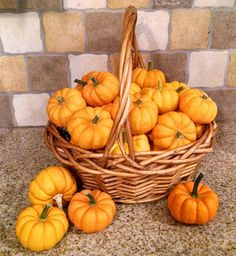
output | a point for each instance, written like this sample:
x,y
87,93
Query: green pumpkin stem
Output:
x,y
44,214
180,89
91,198
60,99
150,65
95,81
81,82
196,184
95,119
179,135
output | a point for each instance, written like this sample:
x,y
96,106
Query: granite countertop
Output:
x,y
140,229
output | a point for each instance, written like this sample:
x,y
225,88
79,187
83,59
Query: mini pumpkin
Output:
x,y
91,211
147,78
53,184
173,130
140,143
99,88
198,106
143,114
193,202
165,98
199,129
177,86
41,227
63,104
90,127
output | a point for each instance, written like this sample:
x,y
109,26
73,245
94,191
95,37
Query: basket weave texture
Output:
x,y
136,177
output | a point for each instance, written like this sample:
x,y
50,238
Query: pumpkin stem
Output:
x,y
95,81
179,135
138,102
204,96
180,89
81,82
150,65
60,99
196,184
44,214
95,119
91,198
58,199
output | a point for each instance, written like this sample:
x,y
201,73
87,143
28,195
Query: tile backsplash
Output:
x,y
45,45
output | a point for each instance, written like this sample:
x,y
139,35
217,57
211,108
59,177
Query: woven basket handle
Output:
x,y
129,58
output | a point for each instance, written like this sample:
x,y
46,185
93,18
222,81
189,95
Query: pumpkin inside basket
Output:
x,y
131,176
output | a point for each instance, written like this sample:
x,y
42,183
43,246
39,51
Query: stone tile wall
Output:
x,y
45,45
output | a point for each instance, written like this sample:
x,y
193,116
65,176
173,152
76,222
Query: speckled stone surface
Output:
x,y
142,229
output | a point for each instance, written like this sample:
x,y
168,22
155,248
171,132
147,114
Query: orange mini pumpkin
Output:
x,y
173,130
147,78
179,87
143,114
198,106
165,98
91,211
193,202
90,127
99,88
63,104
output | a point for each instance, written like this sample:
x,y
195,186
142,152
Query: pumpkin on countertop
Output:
x,y
41,227
90,127
53,184
165,98
91,211
147,78
62,104
173,130
193,202
99,88
198,106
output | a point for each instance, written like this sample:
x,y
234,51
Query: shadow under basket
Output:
x,y
139,176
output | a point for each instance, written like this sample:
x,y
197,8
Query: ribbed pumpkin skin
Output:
x,y
199,129
143,116
87,135
39,235
50,182
91,218
166,134
198,106
104,92
166,99
140,143
145,78
184,208
177,86
60,113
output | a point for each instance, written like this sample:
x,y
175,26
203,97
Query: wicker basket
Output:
x,y
137,177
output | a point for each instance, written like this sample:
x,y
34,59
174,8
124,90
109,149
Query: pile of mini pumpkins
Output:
x,y
162,116
42,225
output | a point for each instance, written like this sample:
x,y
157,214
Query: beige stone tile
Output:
x,y
189,29
214,3
64,32
125,3
40,4
207,68
224,29
84,4
6,119
232,70
13,74
172,4
8,4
